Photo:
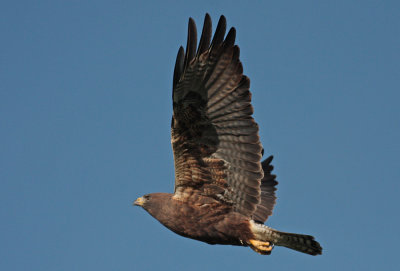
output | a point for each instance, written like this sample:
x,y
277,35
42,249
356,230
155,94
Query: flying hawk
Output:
x,y
223,192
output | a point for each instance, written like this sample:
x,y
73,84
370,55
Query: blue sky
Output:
x,y
85,108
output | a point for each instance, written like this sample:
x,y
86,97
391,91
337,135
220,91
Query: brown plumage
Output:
x,y
223,193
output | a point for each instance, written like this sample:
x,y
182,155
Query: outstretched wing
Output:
x,y
215,140
268,198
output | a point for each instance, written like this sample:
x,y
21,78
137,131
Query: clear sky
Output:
x,y
85,108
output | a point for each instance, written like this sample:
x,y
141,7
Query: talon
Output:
x,y
261,247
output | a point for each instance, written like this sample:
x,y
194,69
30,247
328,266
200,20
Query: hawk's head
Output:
x,y
141,201
152,201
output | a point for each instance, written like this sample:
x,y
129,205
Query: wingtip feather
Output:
x,y
230,38
219,32
205,35
191,42
179,65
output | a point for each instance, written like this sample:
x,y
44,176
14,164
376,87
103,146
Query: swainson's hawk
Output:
x,y
223,192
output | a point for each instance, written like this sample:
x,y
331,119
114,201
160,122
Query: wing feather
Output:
x,y
219,32
205,35
268,198
179,64
191,42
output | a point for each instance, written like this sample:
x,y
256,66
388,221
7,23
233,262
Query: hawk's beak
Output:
x,y
139,201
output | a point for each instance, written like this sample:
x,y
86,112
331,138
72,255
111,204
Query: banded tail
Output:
x,y
299,242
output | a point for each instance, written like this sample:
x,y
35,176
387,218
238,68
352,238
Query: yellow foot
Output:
x,y
261,247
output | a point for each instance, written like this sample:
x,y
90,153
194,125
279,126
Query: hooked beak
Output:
x,y
139,202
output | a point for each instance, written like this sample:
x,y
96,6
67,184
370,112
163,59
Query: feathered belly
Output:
x,y
211,225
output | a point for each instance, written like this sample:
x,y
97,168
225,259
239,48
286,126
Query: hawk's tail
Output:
x,y
299,242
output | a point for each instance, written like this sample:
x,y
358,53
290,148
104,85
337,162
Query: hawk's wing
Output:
x,y
215,140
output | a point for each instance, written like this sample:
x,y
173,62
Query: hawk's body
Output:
x,y
210,222
223,193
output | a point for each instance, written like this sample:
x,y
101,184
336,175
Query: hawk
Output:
x,y
223,192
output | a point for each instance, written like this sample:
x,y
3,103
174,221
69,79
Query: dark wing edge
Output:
x,y
268,188
216,145
183,60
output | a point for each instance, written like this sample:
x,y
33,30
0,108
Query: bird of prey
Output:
x,y
223,192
